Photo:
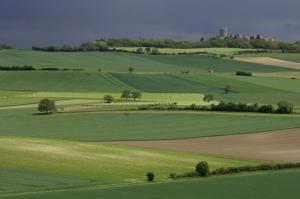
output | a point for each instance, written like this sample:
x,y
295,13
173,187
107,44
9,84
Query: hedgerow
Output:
x,y
236,170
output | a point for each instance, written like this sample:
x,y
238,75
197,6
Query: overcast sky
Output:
x,y
24,23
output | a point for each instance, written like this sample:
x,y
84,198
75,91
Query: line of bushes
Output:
x,y
202,170
17,68
31,68
160,107
283,107
242,73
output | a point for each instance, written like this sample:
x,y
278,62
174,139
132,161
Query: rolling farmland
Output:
x,y
75,152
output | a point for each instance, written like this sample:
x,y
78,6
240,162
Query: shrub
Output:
x,y
208,97
130,69
266,109
150,176
173,176
285,107
185,71
108,99
241,73
227,89
202,168
46,106
50,69
154,51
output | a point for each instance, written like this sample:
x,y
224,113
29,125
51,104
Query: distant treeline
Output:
x,y
109,44
31,68
5,46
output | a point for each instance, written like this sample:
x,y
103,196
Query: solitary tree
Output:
x,y
150,176
136,95
227,89
130,69
202,168
208,97
108,99
126,94
47,106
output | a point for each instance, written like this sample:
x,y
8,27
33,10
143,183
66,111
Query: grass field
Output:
x,y
294,57
159,83
119,62
109,126
204,63
17,180
60,81
34,164
11,99
184,89
271,185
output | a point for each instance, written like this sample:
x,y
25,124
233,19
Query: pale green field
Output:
x,y
99,163
293,57
225,51
288,75
15,98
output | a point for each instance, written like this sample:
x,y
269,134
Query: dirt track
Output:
x,y
276,146
269,61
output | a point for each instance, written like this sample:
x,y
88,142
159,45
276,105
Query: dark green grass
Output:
x,y
271,185
60,81
266,90
119,62
159,83
136,125
21,180
113,62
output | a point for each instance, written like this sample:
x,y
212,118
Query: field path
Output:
x,y
269,61
274,146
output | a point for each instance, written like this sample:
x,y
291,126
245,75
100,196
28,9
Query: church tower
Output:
x,y
223,33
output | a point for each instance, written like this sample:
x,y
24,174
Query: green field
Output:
x,y
190,87
294,57
34,164
204,63
60,81
119,62
136,125
260,186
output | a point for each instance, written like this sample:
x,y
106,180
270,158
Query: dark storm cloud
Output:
x,y
41,22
